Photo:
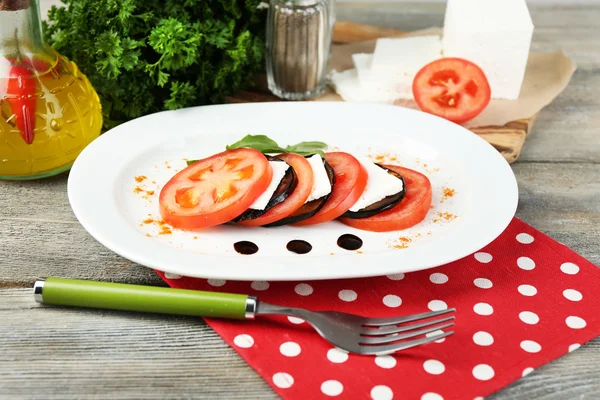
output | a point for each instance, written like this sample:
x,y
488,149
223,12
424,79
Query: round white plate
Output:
x,y
122,213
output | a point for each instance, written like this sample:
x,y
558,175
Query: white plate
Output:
x,y
103,195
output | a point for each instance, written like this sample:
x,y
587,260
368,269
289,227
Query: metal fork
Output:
x,y
369,336
353,333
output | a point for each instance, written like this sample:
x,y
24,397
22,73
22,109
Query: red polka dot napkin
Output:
x,y
521,302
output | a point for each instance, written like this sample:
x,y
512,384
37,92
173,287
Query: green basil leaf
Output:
x,y
190,162
261,143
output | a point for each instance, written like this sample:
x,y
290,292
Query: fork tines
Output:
x,y
380,331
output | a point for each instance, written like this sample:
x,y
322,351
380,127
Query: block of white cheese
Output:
x,y
279,169
321,185
495,35
380,185
396,61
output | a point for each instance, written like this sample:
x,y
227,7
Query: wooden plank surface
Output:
x,y
75,354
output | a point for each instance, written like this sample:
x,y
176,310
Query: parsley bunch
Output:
x,y
144,56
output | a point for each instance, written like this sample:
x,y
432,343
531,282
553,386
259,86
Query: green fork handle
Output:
x,y
119,296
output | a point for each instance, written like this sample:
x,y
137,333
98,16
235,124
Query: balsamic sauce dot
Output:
x,y
299,246
349,242
245,247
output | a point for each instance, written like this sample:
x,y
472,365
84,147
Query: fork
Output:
x,y
353,333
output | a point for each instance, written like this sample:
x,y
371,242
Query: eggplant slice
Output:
x,y
384,204
284,190
312,207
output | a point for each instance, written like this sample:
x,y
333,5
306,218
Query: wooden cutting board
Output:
x,y
507,139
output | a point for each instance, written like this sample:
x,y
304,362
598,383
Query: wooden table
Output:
x,y
73,353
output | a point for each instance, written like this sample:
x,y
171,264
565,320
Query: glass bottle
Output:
x,y
48,110
298,48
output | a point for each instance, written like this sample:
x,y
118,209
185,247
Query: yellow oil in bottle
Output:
x,y
67,118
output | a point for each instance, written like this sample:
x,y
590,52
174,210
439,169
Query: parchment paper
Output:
x,y
546,76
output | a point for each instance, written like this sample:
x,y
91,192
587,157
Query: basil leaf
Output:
x,y
262,143
190,162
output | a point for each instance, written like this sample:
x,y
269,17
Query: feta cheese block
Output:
x,y
321,186
380,185
396,61
279,169
348,86
495,35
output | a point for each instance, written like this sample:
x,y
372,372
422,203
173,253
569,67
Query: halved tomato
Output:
x,y
452,88
350,182
215,190
410,211
298,197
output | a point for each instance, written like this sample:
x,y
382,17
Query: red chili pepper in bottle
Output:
x,y
20,94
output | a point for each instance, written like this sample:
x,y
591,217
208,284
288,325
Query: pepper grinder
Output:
x,y
299,34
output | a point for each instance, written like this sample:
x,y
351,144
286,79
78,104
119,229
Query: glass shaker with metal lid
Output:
x,y
298,47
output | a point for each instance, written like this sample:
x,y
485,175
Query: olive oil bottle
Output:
x,y
49,111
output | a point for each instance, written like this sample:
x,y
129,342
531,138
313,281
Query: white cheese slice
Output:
x,y
321,185
477,30
348,86
380,184
279,169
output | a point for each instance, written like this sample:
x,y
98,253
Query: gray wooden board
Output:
x,y
73,353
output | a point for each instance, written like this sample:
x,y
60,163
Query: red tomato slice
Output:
x,y
452,88
215,190
296,199
410,211
350,182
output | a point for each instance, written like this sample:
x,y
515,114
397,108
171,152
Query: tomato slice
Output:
x,y
410,211
452,88
350,182
215,190
298,197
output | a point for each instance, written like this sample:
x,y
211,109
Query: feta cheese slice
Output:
x,y
279,169
380,184
405,56
321,186
495,35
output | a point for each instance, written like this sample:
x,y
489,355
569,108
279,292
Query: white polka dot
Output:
x,y
529,317
573,295
574,347
483,257
391,300
530,346
303,289
169,275
283,380
437,305
435,333
386,362
483,283
260,285
395,277
527,371
431,396
483,309
382,392
527,290
347,295
524,238
216,282
569,268
438,278
483,372
295,320
575,322
526,263
290,349
483,338
434,367
244,341
337,356
332,388
479,398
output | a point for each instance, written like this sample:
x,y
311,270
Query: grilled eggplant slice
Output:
x,y
284,189
384,204
312,207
